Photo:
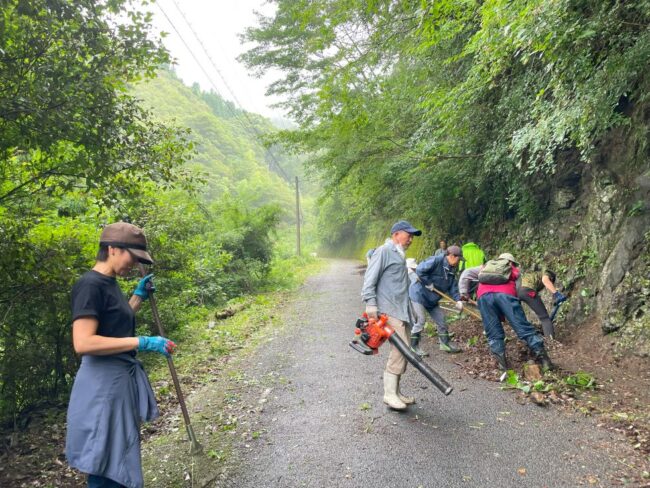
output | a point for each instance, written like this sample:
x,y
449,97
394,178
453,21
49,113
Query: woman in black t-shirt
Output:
x,y
111,395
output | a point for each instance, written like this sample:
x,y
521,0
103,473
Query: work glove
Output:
x,y
464,297
559,297
158,344
145,286
459,306
371,311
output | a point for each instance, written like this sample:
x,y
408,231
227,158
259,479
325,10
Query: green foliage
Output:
x,y
581,380
637,208
229,151
78,150
456,113
71,139
67,121
587,262
513,381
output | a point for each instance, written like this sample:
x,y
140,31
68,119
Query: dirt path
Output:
x,y
321,421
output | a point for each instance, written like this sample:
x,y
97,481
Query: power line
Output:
x,y
234,114
251,125
232,93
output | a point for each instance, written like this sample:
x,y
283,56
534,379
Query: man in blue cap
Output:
x,y
385,290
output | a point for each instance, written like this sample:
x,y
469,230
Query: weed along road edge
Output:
x,y
321,420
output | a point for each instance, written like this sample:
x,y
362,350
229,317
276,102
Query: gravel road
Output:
x,y
323,422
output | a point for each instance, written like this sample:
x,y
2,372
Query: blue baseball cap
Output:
x,y
405,226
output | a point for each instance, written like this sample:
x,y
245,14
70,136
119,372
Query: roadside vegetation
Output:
x,y
86,140
457,115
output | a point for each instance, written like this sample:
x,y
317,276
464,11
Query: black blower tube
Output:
x,y
437,380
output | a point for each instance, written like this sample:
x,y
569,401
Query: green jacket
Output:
x,y
472,256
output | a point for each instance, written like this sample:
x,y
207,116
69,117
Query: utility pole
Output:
x,y
297,219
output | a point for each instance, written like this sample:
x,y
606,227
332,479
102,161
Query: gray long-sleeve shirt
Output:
x,y
470,274
385,284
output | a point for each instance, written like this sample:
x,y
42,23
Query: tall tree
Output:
x,y
461,102
70,135
66,118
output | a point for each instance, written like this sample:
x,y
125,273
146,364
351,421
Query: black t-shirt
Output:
x,y
97,295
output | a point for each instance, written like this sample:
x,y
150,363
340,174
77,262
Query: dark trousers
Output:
x,y
95,481
533,300
493,306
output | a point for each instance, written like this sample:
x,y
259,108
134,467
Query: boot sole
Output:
x,y
397,409
449,351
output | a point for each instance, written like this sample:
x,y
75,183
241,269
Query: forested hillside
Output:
x,y
85,141
521,125
228,143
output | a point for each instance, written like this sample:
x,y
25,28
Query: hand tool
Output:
x,y
195,446
447,297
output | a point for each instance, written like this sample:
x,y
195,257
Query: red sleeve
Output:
x,y
515,273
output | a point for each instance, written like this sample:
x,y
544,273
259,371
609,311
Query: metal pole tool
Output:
x,y
195,446
447,297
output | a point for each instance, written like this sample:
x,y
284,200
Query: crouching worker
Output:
x,y
385,290
532,283
497,297
111,394
437,272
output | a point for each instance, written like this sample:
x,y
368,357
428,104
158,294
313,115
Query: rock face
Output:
x,y
597,239
624,278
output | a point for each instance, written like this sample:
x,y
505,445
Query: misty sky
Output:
x,y
217,24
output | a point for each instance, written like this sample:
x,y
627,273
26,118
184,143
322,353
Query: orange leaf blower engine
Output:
x,y
371,333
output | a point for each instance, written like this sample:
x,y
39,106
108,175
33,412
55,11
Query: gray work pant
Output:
x,y
437,315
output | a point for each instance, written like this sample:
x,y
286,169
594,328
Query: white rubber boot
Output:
x,y
407,400
391,399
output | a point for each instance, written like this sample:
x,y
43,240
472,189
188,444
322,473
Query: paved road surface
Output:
x,y
325,424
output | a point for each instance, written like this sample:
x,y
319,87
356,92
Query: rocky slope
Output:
x,y
597,237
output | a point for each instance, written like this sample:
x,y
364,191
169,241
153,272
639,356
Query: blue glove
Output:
x,y
558,298
157,344
145,286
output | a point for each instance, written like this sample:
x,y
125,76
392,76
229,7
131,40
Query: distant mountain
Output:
x,y
282,123
227,140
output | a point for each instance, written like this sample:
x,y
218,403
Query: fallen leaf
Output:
x,y
538,398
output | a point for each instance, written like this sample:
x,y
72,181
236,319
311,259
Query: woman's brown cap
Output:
x,y
127,236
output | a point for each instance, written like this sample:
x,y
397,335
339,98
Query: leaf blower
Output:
x,y
371,333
